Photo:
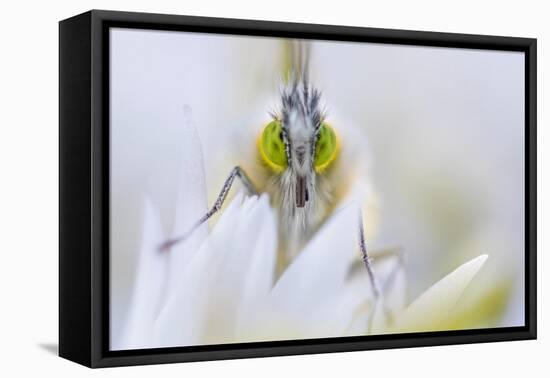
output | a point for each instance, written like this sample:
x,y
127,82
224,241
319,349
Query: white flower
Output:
x,y
437,307
225,291
220,286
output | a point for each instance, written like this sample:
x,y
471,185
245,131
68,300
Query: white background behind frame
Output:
x,y
29,191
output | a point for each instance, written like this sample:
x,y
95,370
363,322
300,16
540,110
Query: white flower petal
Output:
x,y
321,268
182,319
330,318
149,284
394,285
438,302
259,279
392,279
216,283
227,298
308,300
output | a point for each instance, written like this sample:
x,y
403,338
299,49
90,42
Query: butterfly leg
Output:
x,y
379,289
367,260
390,252
236,172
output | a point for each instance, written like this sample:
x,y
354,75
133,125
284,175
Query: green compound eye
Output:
x,y
272,147
326,148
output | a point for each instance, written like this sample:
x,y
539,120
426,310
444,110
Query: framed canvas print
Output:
x,y
235,188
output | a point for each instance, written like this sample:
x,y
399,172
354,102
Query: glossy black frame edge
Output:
x,y
84,188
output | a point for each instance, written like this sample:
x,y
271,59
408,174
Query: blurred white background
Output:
x,y
443,129
28,272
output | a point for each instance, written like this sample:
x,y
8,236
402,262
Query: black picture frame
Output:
x,y
84,188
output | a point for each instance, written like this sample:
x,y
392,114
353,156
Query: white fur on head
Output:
x,y
301,117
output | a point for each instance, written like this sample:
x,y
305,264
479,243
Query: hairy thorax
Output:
x,y
298,224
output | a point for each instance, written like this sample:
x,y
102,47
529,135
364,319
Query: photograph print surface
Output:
x,y
268,189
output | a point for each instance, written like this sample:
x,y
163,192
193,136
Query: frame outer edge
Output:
x,y
98,257
532,181
74,190
100,194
